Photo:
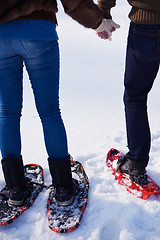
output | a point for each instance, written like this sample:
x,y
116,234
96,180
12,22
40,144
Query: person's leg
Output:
x,y
142,64
11,68
42,64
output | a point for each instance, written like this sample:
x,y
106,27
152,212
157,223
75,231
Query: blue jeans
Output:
x,y
142,64
41,59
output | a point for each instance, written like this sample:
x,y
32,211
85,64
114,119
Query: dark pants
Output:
x,y
142,64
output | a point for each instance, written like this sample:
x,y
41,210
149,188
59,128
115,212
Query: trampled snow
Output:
x,y
91,96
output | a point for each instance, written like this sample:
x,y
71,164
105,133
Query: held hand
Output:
x,y
105,35
106,28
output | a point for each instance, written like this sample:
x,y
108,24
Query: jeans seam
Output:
x,y
34,53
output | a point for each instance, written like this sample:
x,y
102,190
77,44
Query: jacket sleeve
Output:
x,y
106,6
6,5
26,7
86,12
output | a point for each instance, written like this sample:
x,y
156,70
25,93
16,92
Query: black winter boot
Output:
x,y
136,172
15,180
66,187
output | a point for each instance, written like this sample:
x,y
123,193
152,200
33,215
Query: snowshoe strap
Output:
x,y
140,180
120,162
42,185
39,184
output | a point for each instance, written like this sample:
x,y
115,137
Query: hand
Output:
x,y
106,28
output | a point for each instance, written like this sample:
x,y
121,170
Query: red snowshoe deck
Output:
x,y
139,191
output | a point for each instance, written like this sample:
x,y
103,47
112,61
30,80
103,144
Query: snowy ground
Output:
x,y
91,101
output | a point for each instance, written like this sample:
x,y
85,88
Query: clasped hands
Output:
x,y
106,28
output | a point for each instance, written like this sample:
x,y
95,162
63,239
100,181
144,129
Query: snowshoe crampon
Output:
x,y
64,219
139,191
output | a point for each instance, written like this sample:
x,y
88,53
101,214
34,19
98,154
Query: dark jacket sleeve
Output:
x,y
6,5
86,12
83,11
106,6
26,7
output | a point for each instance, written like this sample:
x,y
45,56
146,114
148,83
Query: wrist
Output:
x,y
100,28
97,25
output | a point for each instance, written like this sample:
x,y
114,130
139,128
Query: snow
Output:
x,y
91,95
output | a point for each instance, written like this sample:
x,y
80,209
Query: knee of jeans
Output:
x,y
10,112
135,97
49,112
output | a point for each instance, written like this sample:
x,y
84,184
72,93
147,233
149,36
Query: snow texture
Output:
x,y
91,96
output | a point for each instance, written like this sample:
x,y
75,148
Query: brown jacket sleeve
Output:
x,y
106,5
25,7
83,11
7,5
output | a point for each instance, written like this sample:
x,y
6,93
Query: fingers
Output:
x,y
113,29
106,28
104,35
115,25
